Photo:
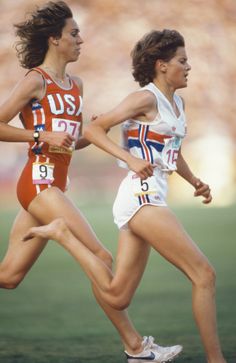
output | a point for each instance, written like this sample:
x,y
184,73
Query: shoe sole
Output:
x,y
148,361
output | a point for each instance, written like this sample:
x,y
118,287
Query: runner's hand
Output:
x,y
57,138
202,189
142,168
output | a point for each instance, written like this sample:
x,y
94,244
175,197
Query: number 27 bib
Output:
x,y
72,127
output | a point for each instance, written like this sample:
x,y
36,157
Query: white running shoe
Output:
x,y
154,353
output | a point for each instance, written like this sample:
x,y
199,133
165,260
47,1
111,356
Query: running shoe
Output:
x,y
154,353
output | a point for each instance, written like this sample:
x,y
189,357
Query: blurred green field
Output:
x,y
52,316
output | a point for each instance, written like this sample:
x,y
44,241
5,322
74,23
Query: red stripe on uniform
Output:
x,y
133,133
157,137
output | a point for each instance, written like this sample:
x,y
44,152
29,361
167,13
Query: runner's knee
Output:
x,y
120,302
206,276
119,299
8,281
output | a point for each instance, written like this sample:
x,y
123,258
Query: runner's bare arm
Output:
x,y
29,87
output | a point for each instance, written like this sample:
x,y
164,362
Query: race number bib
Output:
x,y
72,127
170,152
142,187
42,173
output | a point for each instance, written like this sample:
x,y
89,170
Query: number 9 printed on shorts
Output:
x,y
42,173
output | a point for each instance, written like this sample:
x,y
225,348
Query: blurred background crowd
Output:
x,y
110,29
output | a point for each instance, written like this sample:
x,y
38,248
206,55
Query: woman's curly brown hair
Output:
x,y
34,33
154,45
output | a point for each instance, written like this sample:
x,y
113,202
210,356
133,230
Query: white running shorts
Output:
x,y
134,193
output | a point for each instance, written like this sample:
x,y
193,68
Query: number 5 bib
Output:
x,y
142,187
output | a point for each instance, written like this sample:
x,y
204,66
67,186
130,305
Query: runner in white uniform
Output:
x,y
154,133
157,142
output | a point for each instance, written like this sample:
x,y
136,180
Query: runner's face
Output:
x,y
70,41
177,69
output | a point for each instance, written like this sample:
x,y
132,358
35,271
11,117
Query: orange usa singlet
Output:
x,y
59,110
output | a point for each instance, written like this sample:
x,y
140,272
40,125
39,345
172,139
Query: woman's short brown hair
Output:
x,y
154,45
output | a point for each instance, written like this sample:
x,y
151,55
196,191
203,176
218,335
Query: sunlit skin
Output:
x,y
62,51
177,70
172,75
70,41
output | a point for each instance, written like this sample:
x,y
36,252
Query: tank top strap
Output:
x,y
51,82
179,101
47,78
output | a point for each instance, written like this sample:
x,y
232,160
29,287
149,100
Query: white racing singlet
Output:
x,y
158,142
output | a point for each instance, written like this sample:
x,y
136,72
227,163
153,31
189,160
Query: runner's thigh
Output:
x,y
53,203
160,227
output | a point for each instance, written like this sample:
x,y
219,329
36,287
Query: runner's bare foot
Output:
x,y
54,230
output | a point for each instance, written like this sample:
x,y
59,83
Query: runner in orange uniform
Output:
x,y
59,110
